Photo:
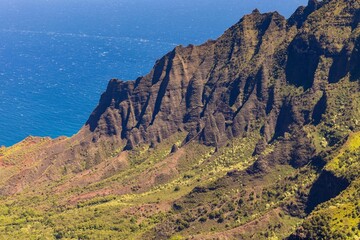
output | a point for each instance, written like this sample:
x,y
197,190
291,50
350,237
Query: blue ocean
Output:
x,y
57,56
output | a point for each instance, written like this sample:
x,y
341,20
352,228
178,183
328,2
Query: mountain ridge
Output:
x,y
218,140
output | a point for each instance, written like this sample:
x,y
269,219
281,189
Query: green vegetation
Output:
x,y
339,218
280,156
195,191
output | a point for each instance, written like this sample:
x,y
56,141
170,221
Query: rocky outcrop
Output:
x,y
213,92
236,84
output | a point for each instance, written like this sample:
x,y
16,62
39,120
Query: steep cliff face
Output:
x,y
240,83
213,92
216,91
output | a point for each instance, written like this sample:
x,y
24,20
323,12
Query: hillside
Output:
x,y
255,135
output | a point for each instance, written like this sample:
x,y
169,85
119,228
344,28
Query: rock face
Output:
x,y
214,91
236,84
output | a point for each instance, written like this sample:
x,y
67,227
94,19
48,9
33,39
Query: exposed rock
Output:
x,y
174,148
213,92
226,88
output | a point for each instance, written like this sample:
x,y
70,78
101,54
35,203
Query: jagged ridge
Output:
x,y
223,88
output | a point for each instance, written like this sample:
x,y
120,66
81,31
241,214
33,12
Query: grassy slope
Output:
x,y
134,214
339,218
48,215
158,191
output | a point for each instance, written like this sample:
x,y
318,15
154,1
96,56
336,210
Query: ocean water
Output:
x,y
57,56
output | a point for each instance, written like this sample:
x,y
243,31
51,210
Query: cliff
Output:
x,y
240,83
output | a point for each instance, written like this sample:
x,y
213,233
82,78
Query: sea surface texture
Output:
x,y
56,57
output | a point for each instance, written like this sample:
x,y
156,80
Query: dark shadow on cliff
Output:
x,y
326,187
